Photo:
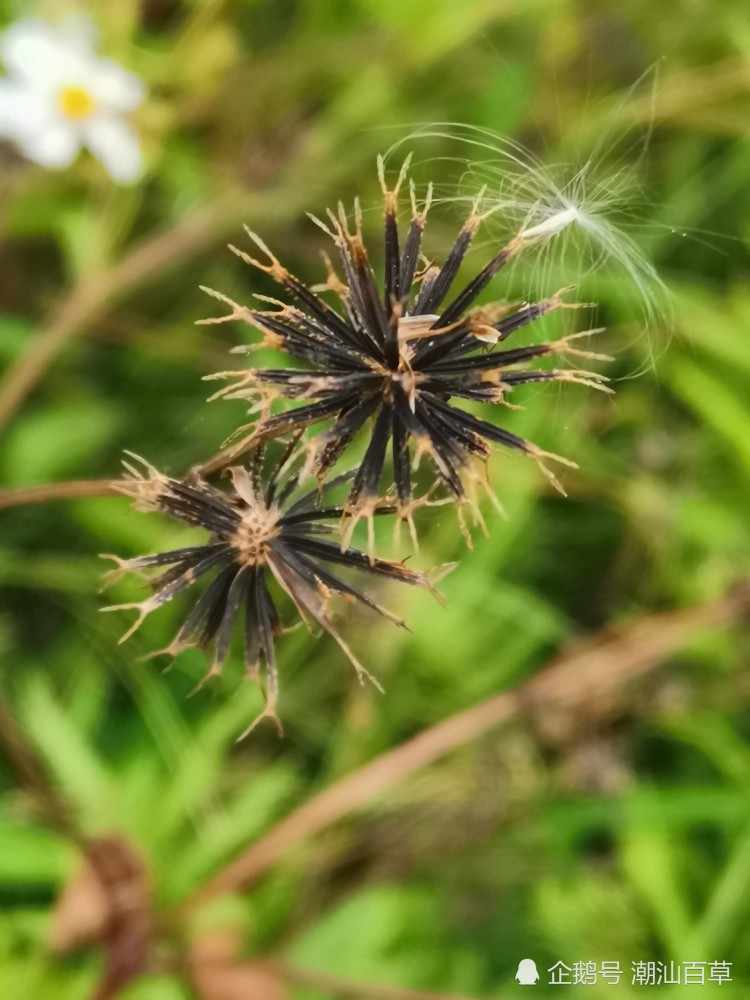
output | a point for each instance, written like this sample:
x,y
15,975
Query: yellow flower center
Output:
x,y
76,103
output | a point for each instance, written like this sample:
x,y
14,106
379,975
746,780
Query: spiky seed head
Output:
x,y
258,533
396,356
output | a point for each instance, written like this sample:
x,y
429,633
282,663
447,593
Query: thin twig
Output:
x,y
580,677
93,293
221,459
348,989
47,800
58,491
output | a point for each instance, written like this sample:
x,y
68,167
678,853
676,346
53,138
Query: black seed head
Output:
x,y
258,533
394,356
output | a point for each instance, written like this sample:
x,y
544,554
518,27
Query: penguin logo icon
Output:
x,y
527,974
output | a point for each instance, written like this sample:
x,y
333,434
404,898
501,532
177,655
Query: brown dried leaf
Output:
x,y
108,901
80,916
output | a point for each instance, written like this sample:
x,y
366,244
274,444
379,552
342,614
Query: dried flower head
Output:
x,y
396,355
258,532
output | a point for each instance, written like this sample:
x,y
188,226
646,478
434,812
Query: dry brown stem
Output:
x,y
48,492
583,677
348,989
45,797
88,299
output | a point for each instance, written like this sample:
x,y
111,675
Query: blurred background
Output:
x,y
587,801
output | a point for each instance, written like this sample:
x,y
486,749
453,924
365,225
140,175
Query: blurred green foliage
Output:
x,y
627,837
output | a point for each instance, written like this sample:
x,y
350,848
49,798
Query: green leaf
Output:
x,y
56,442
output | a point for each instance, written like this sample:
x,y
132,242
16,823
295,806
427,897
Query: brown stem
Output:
x,y
93,293
581,678
33,777
58,491
349,989
222,459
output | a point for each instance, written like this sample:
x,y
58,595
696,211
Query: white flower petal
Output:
x,y
35,53
41,109
53,145
78,32
113,87
115,144
22,110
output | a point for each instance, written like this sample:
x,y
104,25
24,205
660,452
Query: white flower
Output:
x,y
60,95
